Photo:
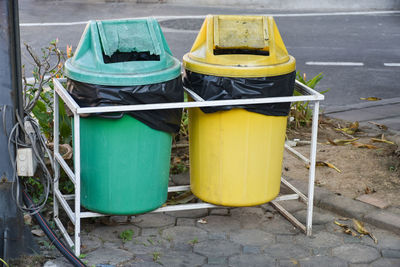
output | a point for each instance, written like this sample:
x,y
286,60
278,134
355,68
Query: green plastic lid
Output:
x,y
122,53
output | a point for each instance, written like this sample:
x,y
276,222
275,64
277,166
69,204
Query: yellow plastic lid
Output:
x,y
239,46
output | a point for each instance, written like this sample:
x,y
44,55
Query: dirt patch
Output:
x,y
32,261
362,171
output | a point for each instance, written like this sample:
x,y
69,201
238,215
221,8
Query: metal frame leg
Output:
x,y
56,151
77,161
311,173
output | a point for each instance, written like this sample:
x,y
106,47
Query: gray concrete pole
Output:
x,y
14,239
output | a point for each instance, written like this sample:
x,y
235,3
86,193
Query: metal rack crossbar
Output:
x,y
75,214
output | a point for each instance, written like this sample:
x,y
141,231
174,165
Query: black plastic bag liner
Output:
x,y
167,120
223,88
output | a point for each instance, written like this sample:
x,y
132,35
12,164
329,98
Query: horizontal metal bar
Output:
x,y
88,214
162,209
178,188
69,197
296,153
65,167
310,91
65,96
314,96
214,103
287,197
65,205
64,232
186,207
289,216
193,95
294,189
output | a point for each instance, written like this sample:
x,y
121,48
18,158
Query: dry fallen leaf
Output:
x,y
361,145
341,224
38,232
319,183
66,151
368,190
382,141
202,221
371,98
352,129
342,142
27,219
181,199
380,126
359,227
354,125
332,142
373,238
326,164
346,229
176,160
349,232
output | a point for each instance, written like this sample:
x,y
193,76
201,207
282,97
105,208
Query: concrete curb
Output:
x,y
336,109
388,219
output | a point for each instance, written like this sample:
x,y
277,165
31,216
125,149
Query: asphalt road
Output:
x,y
358,53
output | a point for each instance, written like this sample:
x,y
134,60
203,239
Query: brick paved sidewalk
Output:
x,y
254,236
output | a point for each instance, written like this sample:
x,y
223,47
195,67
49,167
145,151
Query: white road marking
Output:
x,y
164,29
40,24
319,63
161,18
391,64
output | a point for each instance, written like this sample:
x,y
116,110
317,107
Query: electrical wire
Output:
x,y
4,110
26,133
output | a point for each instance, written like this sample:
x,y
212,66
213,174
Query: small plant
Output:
x,y
46,244
82,256
194,241
177,168
35,188
169,239
126,235
300,112
184,130
38,92
156,256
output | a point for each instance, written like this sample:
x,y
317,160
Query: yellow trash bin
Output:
x,y
236,152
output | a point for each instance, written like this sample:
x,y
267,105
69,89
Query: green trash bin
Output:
x,y
125,157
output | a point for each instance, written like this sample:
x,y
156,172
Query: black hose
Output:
x,y
51,235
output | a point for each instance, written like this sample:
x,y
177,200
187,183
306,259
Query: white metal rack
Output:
x,y
75,214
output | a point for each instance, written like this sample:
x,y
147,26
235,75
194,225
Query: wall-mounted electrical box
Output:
x,y
26,163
